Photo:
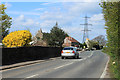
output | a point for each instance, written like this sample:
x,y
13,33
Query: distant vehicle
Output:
x,y
69,52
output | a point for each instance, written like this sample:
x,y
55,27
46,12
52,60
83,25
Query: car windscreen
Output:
x,y
68,49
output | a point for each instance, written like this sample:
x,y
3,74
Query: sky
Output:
x,y
69,15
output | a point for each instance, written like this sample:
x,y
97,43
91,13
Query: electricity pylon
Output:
x,y
85,31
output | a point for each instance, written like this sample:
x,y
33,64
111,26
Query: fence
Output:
x,y
22,54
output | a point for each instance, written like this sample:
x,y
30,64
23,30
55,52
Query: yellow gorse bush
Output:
x,y
17,38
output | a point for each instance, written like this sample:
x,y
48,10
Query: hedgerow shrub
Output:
x,y
111,11
17,39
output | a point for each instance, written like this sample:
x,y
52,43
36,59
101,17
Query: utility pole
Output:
x,y
85,31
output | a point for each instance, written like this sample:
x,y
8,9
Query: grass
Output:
x,y
114,67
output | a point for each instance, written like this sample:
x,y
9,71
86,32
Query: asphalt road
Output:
x,y
90,65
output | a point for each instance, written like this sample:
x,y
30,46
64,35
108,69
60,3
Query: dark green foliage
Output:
x,y
5,22
97,46
111,11
55,37
46,37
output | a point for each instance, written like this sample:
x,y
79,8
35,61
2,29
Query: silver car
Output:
x,y
69,52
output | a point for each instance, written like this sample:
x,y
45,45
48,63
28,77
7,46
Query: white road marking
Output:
x,y
54,68
32,76
104,72
63,65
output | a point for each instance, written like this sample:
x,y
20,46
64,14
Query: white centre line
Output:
x,y
32,76
63,65
54,68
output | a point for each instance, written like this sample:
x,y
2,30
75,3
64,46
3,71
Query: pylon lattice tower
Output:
x,y
85,31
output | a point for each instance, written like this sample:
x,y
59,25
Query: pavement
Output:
x,y
12,66
92,64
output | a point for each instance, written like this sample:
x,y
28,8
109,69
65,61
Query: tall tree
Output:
x,y
5,22
111,11
57,36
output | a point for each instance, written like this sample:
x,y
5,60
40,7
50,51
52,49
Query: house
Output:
x,y
69,41
38,39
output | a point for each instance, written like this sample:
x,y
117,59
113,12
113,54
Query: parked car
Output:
x,y
69,52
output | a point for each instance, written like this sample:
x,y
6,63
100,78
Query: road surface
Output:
x,y
90,65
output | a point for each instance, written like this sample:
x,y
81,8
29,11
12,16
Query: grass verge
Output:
x,y
113,65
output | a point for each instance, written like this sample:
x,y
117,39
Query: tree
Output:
x,y
100,40
5,21
96,45
57,36
46,38
17,39
111,11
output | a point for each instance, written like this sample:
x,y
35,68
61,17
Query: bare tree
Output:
x,y
100,40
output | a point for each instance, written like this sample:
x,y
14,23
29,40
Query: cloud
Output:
x,y
20,18
47,23
72,14
38,9
79,8
29,22
97,19
72,29
22,22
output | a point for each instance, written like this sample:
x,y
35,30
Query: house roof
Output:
x,y
72,39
